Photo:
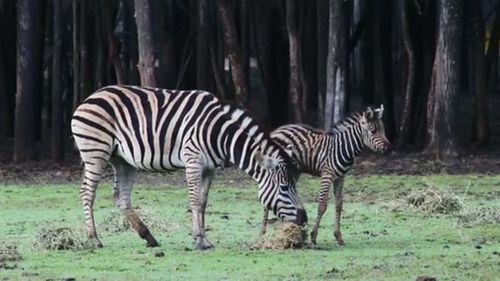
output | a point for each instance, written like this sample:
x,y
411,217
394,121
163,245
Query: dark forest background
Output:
x,y
432,63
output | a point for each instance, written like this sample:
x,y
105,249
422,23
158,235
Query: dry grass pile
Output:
x,y
61,238
9,253
285,236
115,222
433,201
474,216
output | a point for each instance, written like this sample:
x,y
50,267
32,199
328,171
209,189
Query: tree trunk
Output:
x,y
85,76
481,118
24,138
322,38
226,14
367,80
337,65
244,43
57,144
4,97
442,131
295,87
202,50
76,57
8,37
113,47
38,54
404,126
147,56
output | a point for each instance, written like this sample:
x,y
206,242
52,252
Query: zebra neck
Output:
x,y
350,142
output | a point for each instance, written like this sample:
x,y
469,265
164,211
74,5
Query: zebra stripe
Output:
x,y
331,154
160,130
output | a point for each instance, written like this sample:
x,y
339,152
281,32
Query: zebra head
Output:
x,y
373,129
277,186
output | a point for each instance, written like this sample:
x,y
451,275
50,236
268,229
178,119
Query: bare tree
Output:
x,y
443,96
147,56
24,138
202,50
226,14
404,126
57,112
481,118
295,87
337,65
76,56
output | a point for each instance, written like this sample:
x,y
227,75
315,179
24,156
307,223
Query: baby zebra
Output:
x,y
331,154
160,130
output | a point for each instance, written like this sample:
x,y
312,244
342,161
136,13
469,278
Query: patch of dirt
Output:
x,y
285,236
44,171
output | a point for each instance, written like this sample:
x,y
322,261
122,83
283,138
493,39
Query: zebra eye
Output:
x,y
372,130
284,187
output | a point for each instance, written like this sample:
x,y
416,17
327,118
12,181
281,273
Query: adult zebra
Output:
x,y
331,154
155,130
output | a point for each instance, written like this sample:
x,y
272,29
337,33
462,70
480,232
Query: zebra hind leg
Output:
x,y
198,180
124,179
93,170
326,182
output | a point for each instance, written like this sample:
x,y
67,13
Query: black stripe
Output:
x,y
91,138
94,125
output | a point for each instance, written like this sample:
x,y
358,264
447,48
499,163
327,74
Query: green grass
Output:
x,y
380,244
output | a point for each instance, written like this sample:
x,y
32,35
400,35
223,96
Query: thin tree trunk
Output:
x,y
38,54
84,52
147,56
322,38
337,65
4,99
202,50
446,85
226,14
108,26
481,118
24,138
404,126
244,33
76,57
57,144
295,86
9,39
217,69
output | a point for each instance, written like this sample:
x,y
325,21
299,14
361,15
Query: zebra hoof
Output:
x,y
204,245
314,235
339,239
95,242
152,244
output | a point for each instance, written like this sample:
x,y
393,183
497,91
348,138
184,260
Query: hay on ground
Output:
x,y
61,238
285,236
474,216
433,201
8,253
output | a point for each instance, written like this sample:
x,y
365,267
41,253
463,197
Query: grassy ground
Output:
x,y
385,238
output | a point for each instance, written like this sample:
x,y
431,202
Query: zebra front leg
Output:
x,y
264,221
198,181
124,179
338,185
326,182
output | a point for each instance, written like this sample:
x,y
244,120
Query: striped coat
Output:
x,y
331,154
160,130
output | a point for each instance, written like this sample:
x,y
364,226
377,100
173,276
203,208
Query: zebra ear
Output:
x,y
289,150
379,111
264,161
368,114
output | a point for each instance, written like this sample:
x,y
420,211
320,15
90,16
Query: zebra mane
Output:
x,y
347,122
253,129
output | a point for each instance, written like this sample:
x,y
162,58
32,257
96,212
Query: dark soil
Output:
x,y
43,170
